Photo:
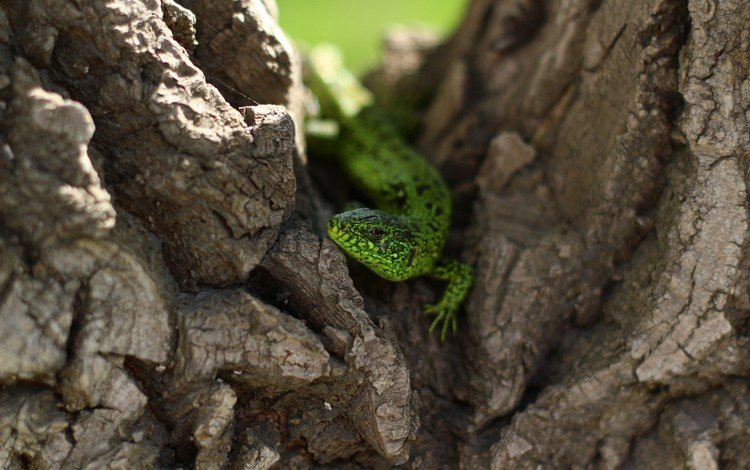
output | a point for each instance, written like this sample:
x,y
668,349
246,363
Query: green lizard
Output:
x,y
403,236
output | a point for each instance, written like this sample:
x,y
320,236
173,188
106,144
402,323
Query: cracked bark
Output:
x,y
167,296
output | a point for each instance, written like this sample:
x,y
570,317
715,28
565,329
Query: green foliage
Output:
x,y
357,26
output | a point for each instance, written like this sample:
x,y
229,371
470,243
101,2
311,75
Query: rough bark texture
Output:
x,y
168,297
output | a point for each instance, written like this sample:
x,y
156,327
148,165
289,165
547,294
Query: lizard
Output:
x,y
403,235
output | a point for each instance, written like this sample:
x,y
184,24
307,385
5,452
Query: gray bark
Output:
x,y
168,297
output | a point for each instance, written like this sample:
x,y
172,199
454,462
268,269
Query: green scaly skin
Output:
x,y
403,236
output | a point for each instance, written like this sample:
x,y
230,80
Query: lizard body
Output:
x,y
403,236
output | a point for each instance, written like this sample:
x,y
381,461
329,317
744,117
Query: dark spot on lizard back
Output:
x,y
412,255
422,188
398,194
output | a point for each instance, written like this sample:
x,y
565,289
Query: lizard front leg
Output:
x,y
460,277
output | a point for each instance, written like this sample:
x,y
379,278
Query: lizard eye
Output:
x,y
377,233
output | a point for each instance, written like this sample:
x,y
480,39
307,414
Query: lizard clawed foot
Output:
x,y
443,314
460,278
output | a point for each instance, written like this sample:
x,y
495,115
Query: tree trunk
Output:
x,y
168,296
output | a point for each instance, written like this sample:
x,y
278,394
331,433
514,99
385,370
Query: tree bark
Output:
x,y
168,296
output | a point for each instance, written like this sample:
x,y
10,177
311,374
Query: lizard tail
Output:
x,y
340,95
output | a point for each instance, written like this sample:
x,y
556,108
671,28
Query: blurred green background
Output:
x,y
357,26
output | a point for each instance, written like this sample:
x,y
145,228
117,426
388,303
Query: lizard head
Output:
x,y
384,243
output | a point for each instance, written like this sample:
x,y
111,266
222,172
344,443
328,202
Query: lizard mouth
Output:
x,y
334,228
338,233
